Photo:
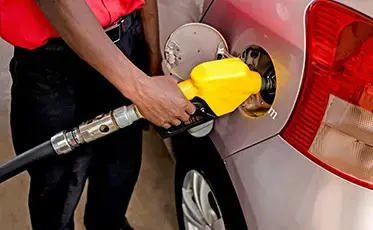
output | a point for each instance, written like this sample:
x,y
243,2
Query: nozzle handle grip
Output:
x,y
185,86
203,114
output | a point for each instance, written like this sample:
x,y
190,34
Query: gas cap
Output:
x,y
187,47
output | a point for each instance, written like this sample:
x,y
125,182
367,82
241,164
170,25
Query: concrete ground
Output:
x,y
151,207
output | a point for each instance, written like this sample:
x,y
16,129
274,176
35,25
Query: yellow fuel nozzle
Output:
x,y
223,84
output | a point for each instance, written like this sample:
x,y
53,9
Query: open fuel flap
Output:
x,y
187,47
191,45
195,43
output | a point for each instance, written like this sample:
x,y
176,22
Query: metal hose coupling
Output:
x,y
102,125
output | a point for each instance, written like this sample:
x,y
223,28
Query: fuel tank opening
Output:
x,y
257,59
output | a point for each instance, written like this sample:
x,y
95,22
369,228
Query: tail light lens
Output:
x,y
332,123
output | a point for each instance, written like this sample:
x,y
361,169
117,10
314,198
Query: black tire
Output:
x,y
200,154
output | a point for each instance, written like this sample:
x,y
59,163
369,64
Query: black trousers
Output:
x,y
53,90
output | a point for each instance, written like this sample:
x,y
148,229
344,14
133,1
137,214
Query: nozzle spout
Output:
x,y
268,84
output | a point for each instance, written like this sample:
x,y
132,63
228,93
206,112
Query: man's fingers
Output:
x,y
176,122
166,125
184,117
190,109
175,80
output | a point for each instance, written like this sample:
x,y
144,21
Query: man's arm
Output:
x,y
150,22
158,99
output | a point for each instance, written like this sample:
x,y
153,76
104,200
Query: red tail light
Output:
x,y
332,123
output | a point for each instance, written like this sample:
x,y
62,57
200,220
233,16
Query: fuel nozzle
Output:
x,y
223,84
268,84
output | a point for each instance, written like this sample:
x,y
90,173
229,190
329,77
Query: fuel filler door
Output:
x,y
189,46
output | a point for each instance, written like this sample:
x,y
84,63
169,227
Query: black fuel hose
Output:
x,y
22,161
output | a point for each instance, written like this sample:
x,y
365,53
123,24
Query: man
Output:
x,y
54,89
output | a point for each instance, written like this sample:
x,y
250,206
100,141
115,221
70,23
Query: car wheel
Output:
x,y
205,197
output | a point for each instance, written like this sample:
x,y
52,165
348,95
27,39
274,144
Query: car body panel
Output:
x,y
279,188
363,6
288,61
278,27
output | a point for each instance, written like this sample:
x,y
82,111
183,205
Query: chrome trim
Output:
x,y
126,115
62,143
100,126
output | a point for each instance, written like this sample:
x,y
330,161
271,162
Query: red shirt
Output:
x,y
23,24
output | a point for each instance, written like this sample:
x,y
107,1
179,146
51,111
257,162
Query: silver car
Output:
x,y
300,157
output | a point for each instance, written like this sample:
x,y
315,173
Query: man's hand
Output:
x,y
162,102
